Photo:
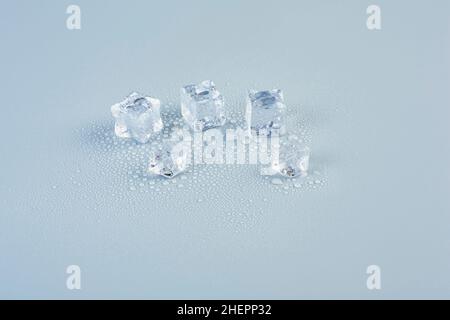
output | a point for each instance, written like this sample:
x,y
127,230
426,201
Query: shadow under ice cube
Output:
x,y
202,106
265,112
169,159
137,117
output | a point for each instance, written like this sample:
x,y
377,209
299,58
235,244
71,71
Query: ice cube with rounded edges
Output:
x,y
169,158
137,117
266,112
292,160
202,106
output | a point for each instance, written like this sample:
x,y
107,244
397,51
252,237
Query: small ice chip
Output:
x,y
169,159
137,117
292,160
202,106
265,112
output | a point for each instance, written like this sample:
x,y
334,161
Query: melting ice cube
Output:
x,y
292,160
137,117
169,158
265,112
202,106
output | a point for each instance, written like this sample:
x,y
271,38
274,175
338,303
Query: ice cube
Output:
x,y
202,106
292,159
265,112
169,158
137,117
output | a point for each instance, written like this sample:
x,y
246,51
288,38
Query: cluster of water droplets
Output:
x,y
238,189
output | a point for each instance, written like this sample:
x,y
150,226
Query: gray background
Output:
x,y
374,106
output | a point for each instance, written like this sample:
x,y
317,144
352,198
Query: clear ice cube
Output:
x,y
202,106
265,112
137,117
292,160
169,159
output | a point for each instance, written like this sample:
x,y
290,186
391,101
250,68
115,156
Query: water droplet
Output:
x,y
277,181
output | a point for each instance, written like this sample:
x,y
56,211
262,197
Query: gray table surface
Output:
x,y
373,106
